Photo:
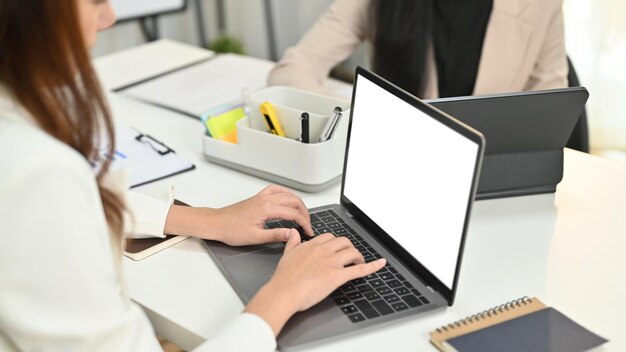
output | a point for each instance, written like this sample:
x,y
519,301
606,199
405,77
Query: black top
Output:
x,y
458,34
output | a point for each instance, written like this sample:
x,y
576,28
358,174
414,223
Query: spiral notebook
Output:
x,y
525,324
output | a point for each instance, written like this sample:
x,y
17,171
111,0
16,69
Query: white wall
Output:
x,y
596,42
180,26
245,19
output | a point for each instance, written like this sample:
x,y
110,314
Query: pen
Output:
x,y
331,125
304,128
271,120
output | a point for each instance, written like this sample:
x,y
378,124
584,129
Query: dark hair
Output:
x,y
46,67
401,32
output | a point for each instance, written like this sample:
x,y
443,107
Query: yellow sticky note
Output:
x,y
231,137
224,125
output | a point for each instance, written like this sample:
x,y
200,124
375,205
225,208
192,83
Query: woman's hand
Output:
x,y
306,274
242,223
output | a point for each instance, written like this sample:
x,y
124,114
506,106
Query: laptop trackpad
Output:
x,y
252,270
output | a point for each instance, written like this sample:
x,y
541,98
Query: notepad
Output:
x,y
138,249
141,248
147,158
522,325
223,125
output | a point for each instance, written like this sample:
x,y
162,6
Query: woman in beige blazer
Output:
x,y
437,48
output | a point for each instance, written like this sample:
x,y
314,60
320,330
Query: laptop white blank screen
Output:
x,y
411,175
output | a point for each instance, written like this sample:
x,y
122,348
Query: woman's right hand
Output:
x,y
307,273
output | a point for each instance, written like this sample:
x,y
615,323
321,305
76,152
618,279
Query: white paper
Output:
x,y
149,60
199,88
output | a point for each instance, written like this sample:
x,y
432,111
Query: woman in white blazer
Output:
x,y
63,213
437,48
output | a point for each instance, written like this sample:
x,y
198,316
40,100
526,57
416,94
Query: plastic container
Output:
x,y
308,167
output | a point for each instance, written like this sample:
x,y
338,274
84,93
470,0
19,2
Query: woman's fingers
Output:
x,y
360,270
273,189
338,244
274,211
290,200
349,255
279,204
323,238
293,240
274,235
314,269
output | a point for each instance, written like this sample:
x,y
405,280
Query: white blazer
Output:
x,y
61,287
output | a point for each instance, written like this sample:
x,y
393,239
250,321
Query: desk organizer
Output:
x,y
308,167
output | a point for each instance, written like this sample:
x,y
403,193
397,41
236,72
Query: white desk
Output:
x,y
568,249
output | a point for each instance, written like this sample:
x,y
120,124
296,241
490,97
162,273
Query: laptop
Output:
x,y
408,183
525,132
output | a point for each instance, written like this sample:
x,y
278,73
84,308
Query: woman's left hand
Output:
x,y
242,223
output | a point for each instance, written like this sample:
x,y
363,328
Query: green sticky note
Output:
x,y
224,124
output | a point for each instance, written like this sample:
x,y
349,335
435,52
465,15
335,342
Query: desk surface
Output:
x,y
568,249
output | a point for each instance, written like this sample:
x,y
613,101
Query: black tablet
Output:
x,y
525,134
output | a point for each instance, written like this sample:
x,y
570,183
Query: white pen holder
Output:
x,y
285,160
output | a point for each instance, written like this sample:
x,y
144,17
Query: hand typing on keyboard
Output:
x,y
307,273
243,223
370,297
288,224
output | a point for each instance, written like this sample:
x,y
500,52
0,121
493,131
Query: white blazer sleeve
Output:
x,y
59,287
245,333
147,215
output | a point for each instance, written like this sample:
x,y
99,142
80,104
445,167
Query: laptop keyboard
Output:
x,y
382,293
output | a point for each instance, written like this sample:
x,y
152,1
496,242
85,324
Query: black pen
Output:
x,y
304,127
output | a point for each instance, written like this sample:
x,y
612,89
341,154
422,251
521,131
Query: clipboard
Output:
x,y
147,158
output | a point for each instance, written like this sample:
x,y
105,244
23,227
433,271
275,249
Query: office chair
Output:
x,y
579,139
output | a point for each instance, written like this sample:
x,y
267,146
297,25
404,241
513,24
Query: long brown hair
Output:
x,y
46,67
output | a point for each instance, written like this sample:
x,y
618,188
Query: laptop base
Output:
x,y
249,268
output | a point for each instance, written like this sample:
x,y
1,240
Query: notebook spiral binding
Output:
x,y
486,314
